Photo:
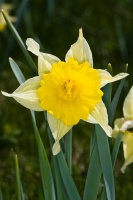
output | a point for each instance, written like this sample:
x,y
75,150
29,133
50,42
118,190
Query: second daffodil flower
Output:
x,y
68,91
125,125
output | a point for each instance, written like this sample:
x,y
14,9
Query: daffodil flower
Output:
x,y
7,7
125,125
68,91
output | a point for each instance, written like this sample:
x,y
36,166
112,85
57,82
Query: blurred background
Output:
x,y
54,24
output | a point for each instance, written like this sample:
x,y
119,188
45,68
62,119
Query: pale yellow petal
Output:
x,y
99,116
57,127
128,105
50,58
80,50
56,148
58,130
26,95
43,65
117,126
105,77
33,46
128,149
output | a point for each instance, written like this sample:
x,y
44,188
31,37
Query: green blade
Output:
x,y
60,189
94,173
67,179
68,182
106,163
1,197
116,147
112,108
20,42
68,149
16,70
19,185
46,174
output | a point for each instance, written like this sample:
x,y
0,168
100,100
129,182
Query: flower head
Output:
x,y
125,124
68,91
6,7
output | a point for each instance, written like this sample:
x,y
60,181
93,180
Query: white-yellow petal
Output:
x,y
80,50
105,77
56,148
128,105
33,46
43,65
99,116
26,95
50,58
128,149
58,130
117,126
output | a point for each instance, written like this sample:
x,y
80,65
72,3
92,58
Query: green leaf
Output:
x,y
68,182
19,75
112,108
60,189
19,185
94,172
1,197
20,42
113,156
106,163
67,178
68,149
46,174
116,147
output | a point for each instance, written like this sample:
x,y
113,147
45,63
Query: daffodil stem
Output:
x,y
68,149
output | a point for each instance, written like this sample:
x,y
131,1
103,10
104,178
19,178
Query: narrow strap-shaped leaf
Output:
x,y
94,173
67,178
113,156
20,42
60,189
69,184
19,185
1,197
116,147
106,163
112,108
16,70
61,193
46,174
68,149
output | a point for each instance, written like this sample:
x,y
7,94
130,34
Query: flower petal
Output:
x,y
80,50
43,66
58,130
50,58
99,116
56,148
105,77
128,149
33,46
128,105
26,95
117,125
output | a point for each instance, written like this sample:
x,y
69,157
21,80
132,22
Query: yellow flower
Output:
x,y
125,124
68,91
6,7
